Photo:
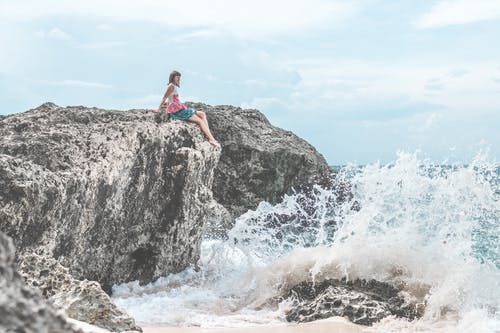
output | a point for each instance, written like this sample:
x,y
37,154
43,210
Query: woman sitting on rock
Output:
x,y
173,106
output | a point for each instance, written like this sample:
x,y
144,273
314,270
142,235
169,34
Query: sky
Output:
x,y
360,80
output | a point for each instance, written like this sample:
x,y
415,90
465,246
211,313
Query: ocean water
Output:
x,y
432,229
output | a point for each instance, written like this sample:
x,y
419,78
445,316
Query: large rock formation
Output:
x,y
116,196
259,162
23,309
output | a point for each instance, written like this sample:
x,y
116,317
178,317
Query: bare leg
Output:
x,y
204,127
203,116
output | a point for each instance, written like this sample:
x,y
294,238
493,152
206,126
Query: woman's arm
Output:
x,y
167,93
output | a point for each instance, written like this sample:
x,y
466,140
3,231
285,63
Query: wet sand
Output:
x,y
331,325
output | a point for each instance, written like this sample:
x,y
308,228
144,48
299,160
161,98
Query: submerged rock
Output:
x,y
23,309
81,300
363,302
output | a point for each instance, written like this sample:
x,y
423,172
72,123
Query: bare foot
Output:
x,y
214,142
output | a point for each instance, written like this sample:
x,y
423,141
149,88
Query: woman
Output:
x,y
173,106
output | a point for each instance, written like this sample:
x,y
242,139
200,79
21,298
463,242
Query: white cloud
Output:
x,y
57,33
263,103
425,122
376,91
150,101
256,57
104,27
78,83
242,18
256,83
101,45
453,12
202,33
54,33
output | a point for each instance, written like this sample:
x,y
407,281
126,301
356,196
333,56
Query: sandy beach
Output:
x,y
331,325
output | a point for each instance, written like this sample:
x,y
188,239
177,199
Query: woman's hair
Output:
x,y
172,75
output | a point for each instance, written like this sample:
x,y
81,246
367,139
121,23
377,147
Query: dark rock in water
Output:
x,y
363,302
23,309
81,300
259,162
114,196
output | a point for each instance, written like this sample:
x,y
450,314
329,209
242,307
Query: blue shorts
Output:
x,y
184,114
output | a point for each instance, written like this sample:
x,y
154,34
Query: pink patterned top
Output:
x,y
173,103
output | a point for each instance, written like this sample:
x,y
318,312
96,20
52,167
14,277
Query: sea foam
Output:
x,y
432,230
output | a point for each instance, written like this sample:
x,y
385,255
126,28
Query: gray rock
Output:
x,y
118,196
23,309
259,162
81,300
363,302
114,196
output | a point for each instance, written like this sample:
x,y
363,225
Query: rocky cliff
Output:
x,y
112,195
115,196
259,162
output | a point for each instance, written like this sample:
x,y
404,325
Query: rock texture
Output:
x,y
80,300
23,309
259,162
117,196
114,196
363,302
